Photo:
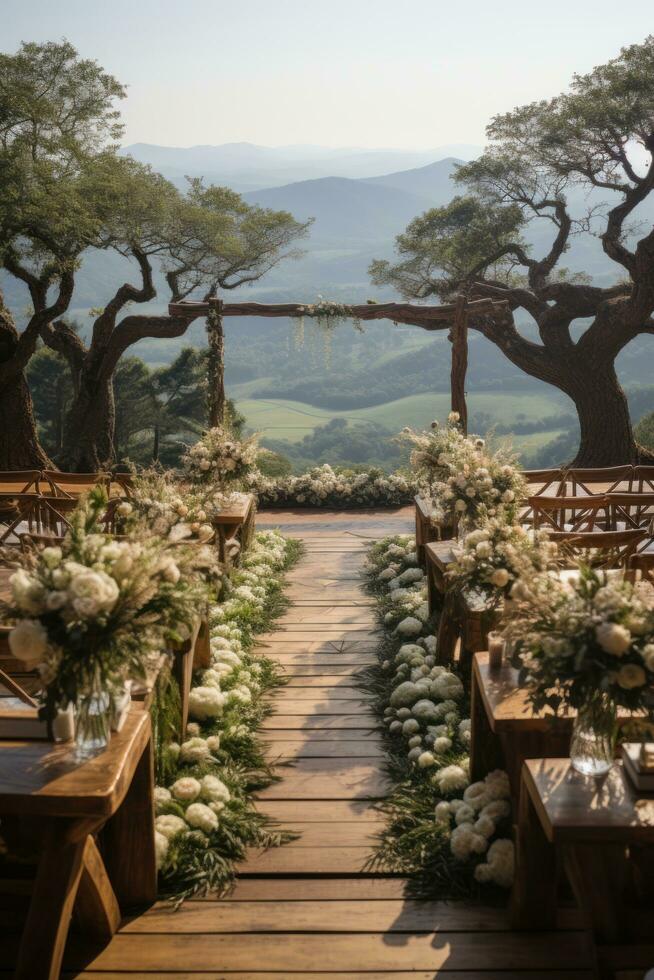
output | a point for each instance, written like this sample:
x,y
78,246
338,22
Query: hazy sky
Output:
x,y
391,73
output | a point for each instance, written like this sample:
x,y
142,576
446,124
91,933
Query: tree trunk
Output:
x,y
90,427
20,448
607,437
19,443
459,339
216,368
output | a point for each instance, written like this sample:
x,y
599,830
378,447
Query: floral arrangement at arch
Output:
x,y
324,486
446,831
91,612
461,476
583,640
220,459
496,555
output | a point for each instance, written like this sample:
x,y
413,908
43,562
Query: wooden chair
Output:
x,y
37,542
39,515
582,482
548,482
600,549
631,510
642,480
73,484
565,514
19,481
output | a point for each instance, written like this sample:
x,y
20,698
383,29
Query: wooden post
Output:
x,y
459,339
216,366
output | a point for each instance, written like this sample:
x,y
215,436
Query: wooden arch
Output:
x,y
456,315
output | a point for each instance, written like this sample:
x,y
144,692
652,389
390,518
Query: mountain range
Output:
x,y
247,166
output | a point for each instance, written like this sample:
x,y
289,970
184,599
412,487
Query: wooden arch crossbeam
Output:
x,y
456,315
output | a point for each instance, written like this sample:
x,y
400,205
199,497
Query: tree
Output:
x,y
597,138
206,239
56,110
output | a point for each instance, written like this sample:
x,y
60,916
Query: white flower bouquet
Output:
x,y
495,555
156,504
583,642
93,612
461,477
219,458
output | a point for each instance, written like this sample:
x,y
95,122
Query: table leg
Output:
x,y
533,899
485,749
129,837
97,913
598,875
448,632
53,896
434,596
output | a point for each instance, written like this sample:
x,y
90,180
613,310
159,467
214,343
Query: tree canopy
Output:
x,y
597,138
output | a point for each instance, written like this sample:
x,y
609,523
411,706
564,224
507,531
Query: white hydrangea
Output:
x,y
186,788
201,817
170,826
206,702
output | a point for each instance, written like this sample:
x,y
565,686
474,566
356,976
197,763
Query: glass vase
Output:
x,y
93,715
593,739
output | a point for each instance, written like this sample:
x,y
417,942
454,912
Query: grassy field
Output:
x,y
279,419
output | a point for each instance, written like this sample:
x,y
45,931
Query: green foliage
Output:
x,y
341,444
644,431
449,244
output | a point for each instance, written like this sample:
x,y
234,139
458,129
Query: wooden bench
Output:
x,y
426,530
589,827
48,797
235,524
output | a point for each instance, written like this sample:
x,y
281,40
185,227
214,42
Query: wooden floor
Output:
x,y
308,910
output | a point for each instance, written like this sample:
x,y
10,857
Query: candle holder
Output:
x,y
496,648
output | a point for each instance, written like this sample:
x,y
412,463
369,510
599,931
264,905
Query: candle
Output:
x,y
496,646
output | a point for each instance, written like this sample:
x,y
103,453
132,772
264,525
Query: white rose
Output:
x,y
169,825
214,789
124,509
205,465
500,578
93,592
51,556
201,816
186,788
483,549
28,641
28,592
648,656
613,638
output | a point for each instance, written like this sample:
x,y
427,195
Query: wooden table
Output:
x,y
589,826
235,522
505,728
426,530
46,796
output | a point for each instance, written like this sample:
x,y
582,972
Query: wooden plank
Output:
x,y
350,975
290,860
309,677
288,812
328,779
346,916
363,887
317,694
346,833
319,706
322,748
309,672
423,951
310,722
300,735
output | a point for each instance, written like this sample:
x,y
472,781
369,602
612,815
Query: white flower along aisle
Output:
x,y
449,834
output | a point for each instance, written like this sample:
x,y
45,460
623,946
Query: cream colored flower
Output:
x,y
630,676
613,638
28,642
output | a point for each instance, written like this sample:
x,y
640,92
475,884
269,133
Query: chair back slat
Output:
x,y
582,481
642,480
73,484
631,510
600,549
41,515
567,514
19,481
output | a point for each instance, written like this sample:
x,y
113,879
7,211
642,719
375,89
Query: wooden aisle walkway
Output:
x,y
307,911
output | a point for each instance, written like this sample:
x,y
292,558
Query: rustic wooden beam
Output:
x,y
400,312
459,338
